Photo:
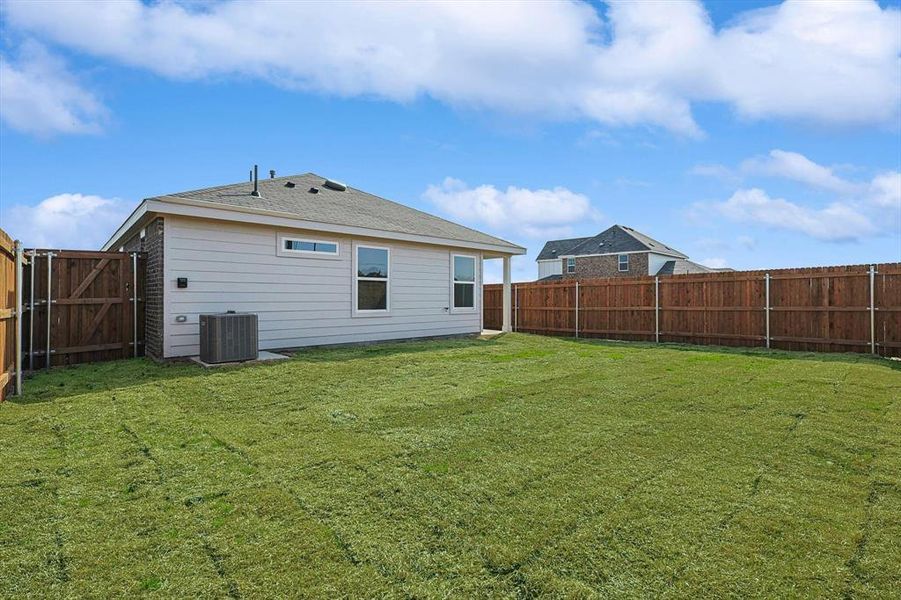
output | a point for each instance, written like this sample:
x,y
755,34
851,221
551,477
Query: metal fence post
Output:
x,y
515,308
31,262
873,309
18,366
49,302
577,309
767,309
657,309
134,299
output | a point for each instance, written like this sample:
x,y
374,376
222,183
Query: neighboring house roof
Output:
x,y
557,248
682,267
614,240
552,277
351,208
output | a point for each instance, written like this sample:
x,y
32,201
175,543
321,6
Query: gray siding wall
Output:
x,y
302,301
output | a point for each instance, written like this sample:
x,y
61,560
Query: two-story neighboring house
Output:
x,y
619,251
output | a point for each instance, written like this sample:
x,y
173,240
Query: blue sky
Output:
x,y
747,135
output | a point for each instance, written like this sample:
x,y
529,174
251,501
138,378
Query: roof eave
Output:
x,y
214,210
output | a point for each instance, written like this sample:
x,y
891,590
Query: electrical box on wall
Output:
x,y
181,282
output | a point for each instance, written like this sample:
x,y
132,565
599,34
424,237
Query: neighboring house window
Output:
x,y
372,279
571,265
303,246
464,278
623,262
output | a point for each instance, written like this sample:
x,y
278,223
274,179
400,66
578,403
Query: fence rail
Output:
x,y
828,309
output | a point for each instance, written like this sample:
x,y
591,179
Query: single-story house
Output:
x,y
318,262
618,251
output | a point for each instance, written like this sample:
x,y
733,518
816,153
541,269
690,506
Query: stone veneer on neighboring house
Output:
x,y
588,267
152,245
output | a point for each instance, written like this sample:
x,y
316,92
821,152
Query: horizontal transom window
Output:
x,y
292,245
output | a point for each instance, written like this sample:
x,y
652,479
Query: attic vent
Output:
x,y
289,184
335,185
314,190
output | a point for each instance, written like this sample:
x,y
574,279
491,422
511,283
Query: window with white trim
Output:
x,y
623,262
571,264
464,280
372,279
306,246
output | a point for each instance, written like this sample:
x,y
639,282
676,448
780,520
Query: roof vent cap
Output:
x,y
314,190
335,185
289,184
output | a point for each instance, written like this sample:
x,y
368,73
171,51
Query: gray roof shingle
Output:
x,y
612,240
680,266
555,248
351,207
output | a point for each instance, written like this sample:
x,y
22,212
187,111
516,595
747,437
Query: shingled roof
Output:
x,y
292,195
614,240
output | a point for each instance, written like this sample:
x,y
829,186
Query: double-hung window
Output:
x,y
464,281
372,279
623,262
571,264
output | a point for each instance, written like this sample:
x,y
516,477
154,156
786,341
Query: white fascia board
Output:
x,y
212,210
133,219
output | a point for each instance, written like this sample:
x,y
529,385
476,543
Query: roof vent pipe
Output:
x,y
271,173
256,189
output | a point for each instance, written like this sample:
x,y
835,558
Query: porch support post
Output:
x,y
507,295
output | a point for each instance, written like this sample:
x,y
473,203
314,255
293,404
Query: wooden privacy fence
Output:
x,y
828,309
82,306
11,258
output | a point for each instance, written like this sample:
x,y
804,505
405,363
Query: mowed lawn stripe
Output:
x,y
517,466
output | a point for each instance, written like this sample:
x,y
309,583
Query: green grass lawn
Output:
x,y
517,467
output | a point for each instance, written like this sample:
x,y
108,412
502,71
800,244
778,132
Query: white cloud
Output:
x,y
38,96
715,263
797,167
531,213
837,222
716,171
65,221
647,64
885,190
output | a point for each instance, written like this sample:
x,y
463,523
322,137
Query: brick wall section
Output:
x,y
152,245
589,267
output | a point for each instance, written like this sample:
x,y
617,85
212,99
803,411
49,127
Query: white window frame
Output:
x,y
282,251
619,263
475,284
573,259
379,312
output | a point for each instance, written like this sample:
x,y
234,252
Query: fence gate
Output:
x,y
82,307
